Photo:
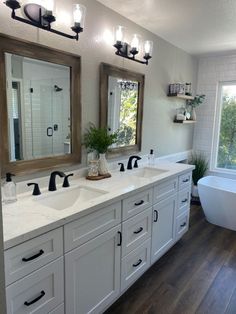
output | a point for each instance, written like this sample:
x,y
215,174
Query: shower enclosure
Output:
x,y
39,110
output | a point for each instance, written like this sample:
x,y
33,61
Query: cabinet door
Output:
x,y
163,227
92,274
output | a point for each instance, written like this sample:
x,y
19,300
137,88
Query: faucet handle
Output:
x,y
66,183
136,162
122,167
36,190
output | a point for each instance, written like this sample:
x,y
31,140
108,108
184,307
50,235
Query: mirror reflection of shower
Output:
x,y
38,108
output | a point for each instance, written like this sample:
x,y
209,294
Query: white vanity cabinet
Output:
x,y
164,218
35,275
87,264
136,234
92,270
183,208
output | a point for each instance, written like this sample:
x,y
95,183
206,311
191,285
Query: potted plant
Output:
x,y
198,100
201,166
99,139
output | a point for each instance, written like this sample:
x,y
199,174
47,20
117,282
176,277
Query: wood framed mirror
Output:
x,y
121,107
40,110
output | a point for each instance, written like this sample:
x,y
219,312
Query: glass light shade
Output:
x,y
119,33
148,47
79,12
48,5
135,42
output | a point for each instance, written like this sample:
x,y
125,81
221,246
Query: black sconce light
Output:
x,y
41,16
127,51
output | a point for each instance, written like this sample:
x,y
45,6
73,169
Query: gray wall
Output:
x,y
169,64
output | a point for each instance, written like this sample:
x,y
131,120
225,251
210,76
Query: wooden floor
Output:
x,y
198,275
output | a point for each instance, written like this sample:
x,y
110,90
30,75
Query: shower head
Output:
x,y
57,88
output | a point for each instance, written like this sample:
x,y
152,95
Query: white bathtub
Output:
x,y
218,199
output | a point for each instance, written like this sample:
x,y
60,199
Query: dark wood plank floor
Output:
x,y
198,275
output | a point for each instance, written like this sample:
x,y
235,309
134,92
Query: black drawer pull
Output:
x,y
183,225
185,200
139,203
156,215
24,259
120,238
28,303
139,230
138,263
185,181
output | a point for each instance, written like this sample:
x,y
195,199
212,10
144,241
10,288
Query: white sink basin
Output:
x,y
60,200
147,172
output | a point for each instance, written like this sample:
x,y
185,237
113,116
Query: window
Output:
x,y
225,148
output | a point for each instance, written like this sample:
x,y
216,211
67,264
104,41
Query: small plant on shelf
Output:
x,y
198,100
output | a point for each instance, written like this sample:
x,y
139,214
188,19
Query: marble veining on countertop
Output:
x,y
27,218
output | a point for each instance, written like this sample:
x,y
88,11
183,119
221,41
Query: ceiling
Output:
x,y
196,26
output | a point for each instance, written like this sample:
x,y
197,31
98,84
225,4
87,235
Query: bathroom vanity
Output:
x,y
77,250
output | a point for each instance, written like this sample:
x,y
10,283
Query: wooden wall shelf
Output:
x,y
185,121
185,97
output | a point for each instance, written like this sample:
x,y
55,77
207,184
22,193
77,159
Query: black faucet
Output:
x,y
66,183
129,165
36,190
122,168
52,180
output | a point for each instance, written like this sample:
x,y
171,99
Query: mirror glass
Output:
x,y
38,105
121,107
122,110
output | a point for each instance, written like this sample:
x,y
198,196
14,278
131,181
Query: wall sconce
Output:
x,y
41,16
127,51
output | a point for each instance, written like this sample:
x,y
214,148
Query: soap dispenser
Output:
x,y
151,158
9,190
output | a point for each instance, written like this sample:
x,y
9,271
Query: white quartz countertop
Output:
x,y
27,218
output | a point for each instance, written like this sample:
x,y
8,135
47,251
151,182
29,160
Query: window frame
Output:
x,y
216,129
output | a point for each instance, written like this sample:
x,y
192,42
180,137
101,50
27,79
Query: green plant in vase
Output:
x,y
99,139
197,101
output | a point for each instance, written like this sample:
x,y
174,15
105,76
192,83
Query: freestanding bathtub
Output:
x,y
218,199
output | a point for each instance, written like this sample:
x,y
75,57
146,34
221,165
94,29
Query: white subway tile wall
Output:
x,y
211,71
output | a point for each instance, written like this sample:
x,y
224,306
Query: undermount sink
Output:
x,y
148,172
60,200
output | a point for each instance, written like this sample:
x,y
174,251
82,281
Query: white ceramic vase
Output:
x,y
102,165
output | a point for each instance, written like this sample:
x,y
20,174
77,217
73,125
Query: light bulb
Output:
x,y
148,47
119,33
79,14
135,42
49,5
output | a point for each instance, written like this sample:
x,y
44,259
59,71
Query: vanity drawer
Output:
x,y
185,180
137,203
183,201
136,230
25,258
40,292
182,224
90,226
165,189
134,264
